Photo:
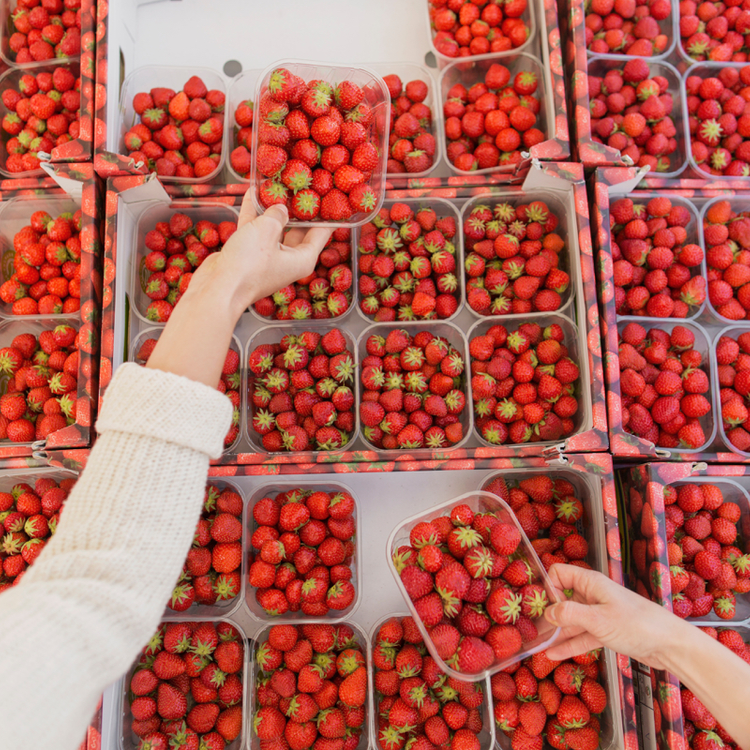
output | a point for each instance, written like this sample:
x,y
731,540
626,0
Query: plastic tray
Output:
x,y
570,256
529,15
299,618
704,346
10,79
599,65
704,70
216,212
364,742
442,208
146,78
127,740
410,72
478,501
487,737
439,328
575,340
272,334
469,73
241,89
14,215
224,608
376,95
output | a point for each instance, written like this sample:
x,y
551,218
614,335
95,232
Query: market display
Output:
x,y
536,283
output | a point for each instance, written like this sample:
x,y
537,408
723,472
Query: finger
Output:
x,y
247,210
587,583
317,237
580,644
570,614
294,237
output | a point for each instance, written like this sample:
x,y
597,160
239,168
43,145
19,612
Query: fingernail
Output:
x,y
551,614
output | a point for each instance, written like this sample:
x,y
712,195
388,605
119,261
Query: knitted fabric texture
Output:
x,y
95,595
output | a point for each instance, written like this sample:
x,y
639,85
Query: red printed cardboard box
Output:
x,y
136,203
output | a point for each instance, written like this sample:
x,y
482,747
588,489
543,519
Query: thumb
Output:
x,y
569,614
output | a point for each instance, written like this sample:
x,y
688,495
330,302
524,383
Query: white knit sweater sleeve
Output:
x,y
96,593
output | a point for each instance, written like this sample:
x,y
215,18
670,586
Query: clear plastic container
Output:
x,y
8,56
694,236
155,332
529,16
128,740
486,737
704,346
241,89
669,26
457,340
253,743
599,65
315,322
407,71
738,203
703,70
206,211
273,334
148,77
570,257
376,96
228,607
480,502
14,215
299,618
10,80
9,329
473,72
733,332
442,208
575,340
732,493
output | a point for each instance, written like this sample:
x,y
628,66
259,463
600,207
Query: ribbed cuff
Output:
x,y
168,407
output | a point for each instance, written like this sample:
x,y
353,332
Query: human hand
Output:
x,y
255,263
603,613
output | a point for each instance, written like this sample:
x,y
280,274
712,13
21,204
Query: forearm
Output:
x,y
97,591
195,342
718,677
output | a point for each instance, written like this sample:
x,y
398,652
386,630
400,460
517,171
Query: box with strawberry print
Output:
x,y
311,687
212,581
174,119
30,506
440,588
659,503
549,190
670,286
188,687
48,92
409,262
303,556
415,702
